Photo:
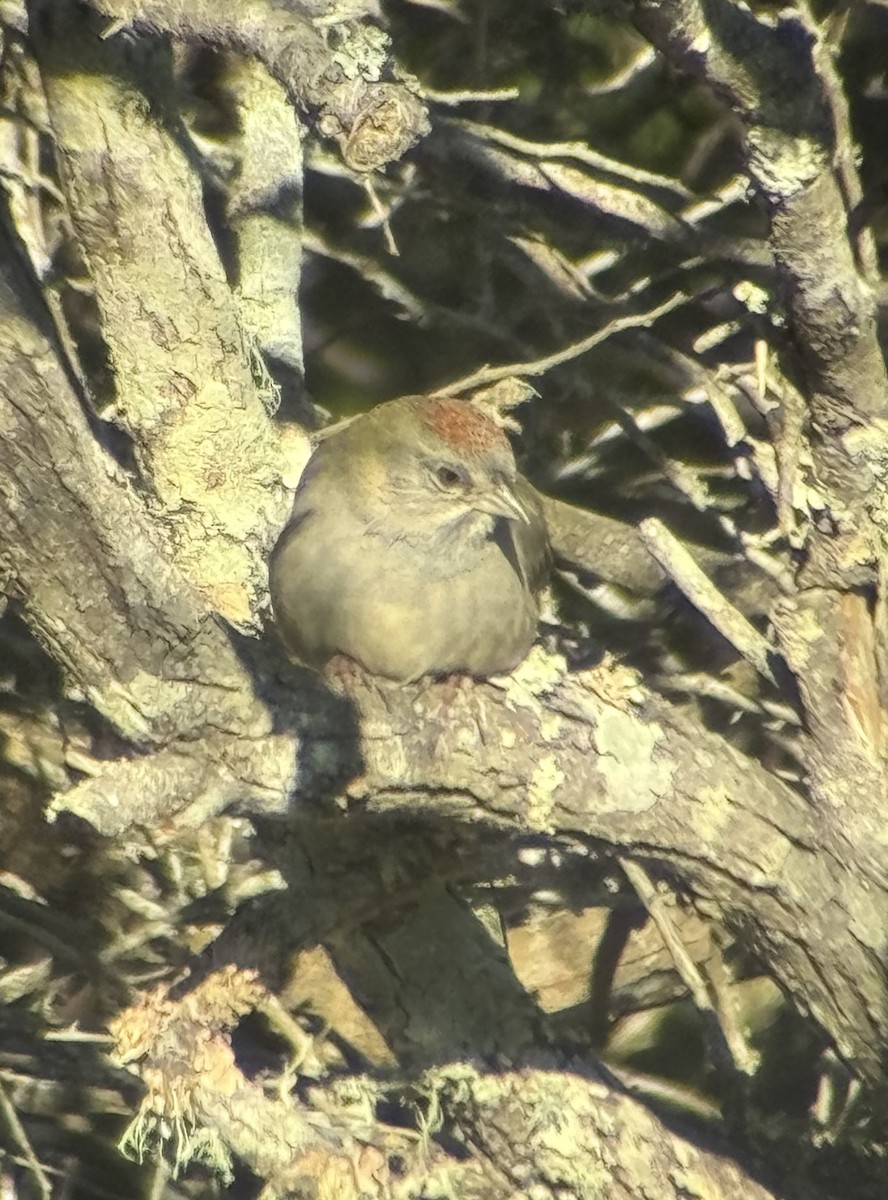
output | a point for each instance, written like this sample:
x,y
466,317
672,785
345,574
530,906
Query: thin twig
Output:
x,y
644,59
698,683
470,97
21,1140
379,209
539,366
721,1043
680,566
578,151
684,964
77,1035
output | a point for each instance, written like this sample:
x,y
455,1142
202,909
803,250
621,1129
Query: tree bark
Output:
x,y
135,532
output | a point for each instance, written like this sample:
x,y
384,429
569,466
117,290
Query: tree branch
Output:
x,y
185,391
345,76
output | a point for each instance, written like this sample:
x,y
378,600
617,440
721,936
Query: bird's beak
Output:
x,y
501,501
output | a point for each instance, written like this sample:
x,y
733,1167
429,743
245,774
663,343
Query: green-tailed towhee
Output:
x,y
414,547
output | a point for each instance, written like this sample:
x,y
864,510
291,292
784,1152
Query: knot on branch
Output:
x,y
388,122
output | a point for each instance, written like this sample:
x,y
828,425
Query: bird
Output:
x,y
414,547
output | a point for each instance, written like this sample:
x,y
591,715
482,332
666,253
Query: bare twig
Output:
x,y
728,1049
22,1141
472,97
579,152
539,366
705,596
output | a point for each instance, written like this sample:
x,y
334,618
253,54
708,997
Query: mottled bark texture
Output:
x,y
181,356
344,76
142,573
776,72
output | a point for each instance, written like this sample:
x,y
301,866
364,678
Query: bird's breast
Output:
x,y
399,608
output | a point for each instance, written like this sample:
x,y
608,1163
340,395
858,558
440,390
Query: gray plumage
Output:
x,y
414,547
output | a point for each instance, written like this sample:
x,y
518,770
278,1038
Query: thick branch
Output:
x,y
92,571
776,75
563,1134
609,549
185,390
265,209
344,77
593,756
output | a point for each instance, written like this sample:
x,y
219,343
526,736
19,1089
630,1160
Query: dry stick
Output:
x,y
688,482
20,1139
730,1042
539,366
766,464
391,288
644,58
680,566
698,683
388,286
470,97
653,902
729,193
379,209
578,151
77,1035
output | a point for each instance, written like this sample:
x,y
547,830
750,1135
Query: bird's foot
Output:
x,y
343,675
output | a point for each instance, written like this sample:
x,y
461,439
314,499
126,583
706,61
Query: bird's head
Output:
x,y
441,466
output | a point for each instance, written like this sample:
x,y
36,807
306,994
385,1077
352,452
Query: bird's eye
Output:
x,y
449,477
